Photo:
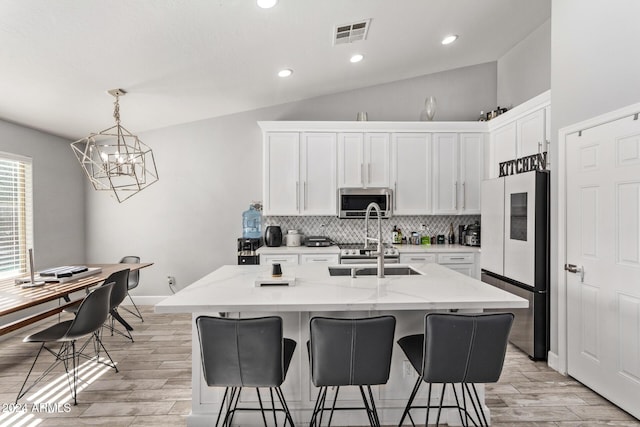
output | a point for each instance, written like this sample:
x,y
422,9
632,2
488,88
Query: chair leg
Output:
x,y
318,407
444,388
410,401
284,406
373,406
264,418
482,419
333,406
232,411
20,394
137,313
113,364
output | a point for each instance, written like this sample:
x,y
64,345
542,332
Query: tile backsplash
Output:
x,y
352,230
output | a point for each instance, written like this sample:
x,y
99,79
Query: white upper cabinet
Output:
x,y
299,173
445,173
531,134
520,132
318,159
281,185
471,172
503,147
376,157
411,173
363,159
457,173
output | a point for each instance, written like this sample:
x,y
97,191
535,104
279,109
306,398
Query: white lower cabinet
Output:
x,y
417,258
314,258
462,262
278,259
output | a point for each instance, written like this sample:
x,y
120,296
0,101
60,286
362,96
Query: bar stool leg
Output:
x,y
411,397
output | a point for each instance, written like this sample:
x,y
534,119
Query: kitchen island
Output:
x,y
231,291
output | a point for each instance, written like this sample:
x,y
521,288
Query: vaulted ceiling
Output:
x,y
187,60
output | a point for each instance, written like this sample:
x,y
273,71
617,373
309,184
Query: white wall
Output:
x,y
58,194
595,69
188,222
525,70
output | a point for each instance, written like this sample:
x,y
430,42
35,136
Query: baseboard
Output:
x,y
553,361
145,299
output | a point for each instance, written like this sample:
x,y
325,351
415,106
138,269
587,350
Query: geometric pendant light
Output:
x,y
115,159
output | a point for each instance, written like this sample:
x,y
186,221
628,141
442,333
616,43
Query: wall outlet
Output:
x,y
171,280
407,370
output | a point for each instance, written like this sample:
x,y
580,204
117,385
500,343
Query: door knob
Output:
x,y
572,268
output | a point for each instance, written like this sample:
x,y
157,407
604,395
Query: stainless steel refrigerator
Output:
x,y
515,252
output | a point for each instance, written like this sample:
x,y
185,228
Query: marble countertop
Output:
x,y
231,289
283,250
405,249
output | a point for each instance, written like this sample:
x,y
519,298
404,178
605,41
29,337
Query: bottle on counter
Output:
x,y
451,236
400,238
252,222
394,234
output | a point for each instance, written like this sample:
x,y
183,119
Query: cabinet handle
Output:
x,y
362,174
464,195
455,192
395,196
278,260
418,259
452,258
297,195
368,173
319,259
305,196
539,147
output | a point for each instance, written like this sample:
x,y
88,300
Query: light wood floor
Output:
x,y
153,387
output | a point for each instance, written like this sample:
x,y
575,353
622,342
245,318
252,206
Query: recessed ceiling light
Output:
x,y
356,58
267,4
449,39
285,73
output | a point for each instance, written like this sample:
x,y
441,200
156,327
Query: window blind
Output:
x,y
16,214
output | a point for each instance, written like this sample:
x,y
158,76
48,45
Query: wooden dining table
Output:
x,y
14,298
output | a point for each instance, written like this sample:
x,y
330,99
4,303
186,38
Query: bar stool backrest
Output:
x,y
241,352
351,351
461,348
91,314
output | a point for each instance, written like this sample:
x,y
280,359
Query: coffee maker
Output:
x,y
247,248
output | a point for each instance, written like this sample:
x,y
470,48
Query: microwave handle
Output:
x,y
362,174
368,173
395,196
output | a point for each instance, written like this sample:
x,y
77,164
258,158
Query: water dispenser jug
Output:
x,y
252,223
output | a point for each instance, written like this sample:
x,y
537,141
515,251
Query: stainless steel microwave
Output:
x,y
353,202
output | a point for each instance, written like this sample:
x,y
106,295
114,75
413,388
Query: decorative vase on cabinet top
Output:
x,y
429,108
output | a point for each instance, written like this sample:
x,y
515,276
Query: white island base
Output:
x,y
230,291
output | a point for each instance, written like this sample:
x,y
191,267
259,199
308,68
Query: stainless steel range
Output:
x,y
355,253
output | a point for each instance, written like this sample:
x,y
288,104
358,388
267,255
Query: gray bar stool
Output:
x,y
238,353
349,352
457,348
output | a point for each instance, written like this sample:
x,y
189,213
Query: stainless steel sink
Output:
x,y
373,271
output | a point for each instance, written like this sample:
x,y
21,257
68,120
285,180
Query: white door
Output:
x,y
445,173
281,187
350,160
492,219
603,241
376,159
410,160
471,172
318,174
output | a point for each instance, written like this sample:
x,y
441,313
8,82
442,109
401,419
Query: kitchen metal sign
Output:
x,y
524,164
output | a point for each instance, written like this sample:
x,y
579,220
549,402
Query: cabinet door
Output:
x,y
278,259
445,173
350,160
318,190
410,160
471,172
281,186
503,147
531,134
315,258
376,159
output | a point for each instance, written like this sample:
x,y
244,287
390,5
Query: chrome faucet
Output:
x,y
380,252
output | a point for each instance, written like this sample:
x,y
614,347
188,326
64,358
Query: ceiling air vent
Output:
x,y
349,33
